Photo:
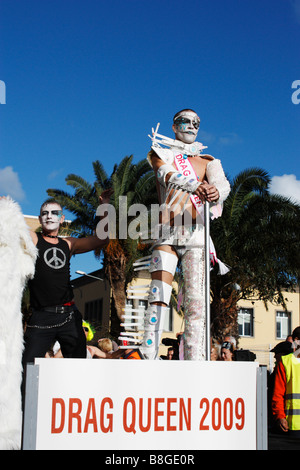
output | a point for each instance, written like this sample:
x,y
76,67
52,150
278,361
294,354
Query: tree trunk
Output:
x,y
117,306
115,262
224,317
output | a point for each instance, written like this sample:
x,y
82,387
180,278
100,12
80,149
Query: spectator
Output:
x,y
97,353
285,401
105,344
89,331
174,344
131,354
230,339
215,351
227,351
171,353
102,350
281,349
289,338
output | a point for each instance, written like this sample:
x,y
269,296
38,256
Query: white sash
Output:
x,y
185,167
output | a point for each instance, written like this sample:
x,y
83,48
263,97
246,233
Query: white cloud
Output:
x,y
205,137
286,185
10,184
230,138
227,138
54,174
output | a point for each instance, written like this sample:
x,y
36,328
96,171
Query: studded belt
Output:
x,y
66,308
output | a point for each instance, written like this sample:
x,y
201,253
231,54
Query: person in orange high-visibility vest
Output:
x,y
132,354
286,395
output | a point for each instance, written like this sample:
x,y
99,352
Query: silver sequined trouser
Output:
x,y
193,267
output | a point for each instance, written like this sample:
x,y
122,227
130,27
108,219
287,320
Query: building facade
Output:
x,y
260,329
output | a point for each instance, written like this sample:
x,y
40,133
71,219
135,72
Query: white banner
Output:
x,y
137,405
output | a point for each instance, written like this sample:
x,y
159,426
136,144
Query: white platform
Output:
x,y
136,405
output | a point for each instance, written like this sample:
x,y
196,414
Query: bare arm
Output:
x,y
34,237
78,245
97,353
86,244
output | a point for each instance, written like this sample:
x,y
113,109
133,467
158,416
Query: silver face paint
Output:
x,y
186,127
51,215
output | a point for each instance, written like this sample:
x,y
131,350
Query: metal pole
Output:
x,y
261,409
207,277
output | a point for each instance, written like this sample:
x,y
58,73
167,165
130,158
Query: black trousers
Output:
x,y
44,328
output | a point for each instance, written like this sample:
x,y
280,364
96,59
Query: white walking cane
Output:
x,y
207,277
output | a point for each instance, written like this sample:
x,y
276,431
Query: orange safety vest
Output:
x,y
292,395
133,355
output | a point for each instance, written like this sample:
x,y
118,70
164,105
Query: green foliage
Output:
x,y
258,237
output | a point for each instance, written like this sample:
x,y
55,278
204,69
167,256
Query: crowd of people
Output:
x,y
225,351
283,383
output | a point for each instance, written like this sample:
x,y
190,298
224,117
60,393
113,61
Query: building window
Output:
x,y
283,324
93,311
245,321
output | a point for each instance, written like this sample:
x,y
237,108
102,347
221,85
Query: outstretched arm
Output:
x,y
86,244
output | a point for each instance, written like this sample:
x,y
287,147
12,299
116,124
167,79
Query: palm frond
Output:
x,y
102,179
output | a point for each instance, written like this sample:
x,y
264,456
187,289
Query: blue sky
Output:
x,y
87,80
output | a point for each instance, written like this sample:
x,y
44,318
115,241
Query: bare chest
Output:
x,y
198,164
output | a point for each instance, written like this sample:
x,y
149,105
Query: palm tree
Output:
x,y
136,182
258,237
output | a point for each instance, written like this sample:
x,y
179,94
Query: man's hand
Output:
x,y
283,424
207,192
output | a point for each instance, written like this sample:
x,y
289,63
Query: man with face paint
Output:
x,y
185,179
54,314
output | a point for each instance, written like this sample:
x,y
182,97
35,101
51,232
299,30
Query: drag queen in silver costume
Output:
x,y
186,178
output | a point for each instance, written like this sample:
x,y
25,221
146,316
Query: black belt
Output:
x,y
58,309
